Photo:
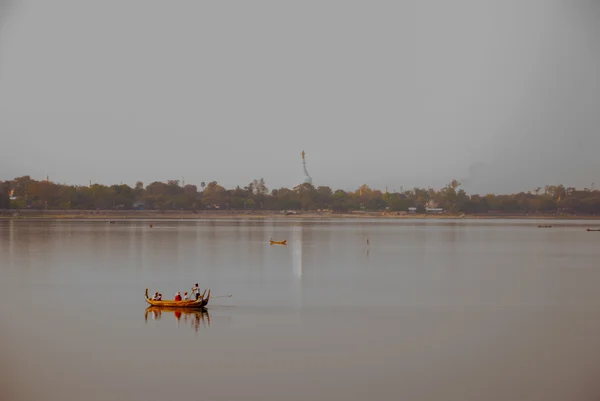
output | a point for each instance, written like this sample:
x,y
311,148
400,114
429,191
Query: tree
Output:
x,y
4,195
138,191
214,194
190,190
21,184
451,198
323,197
43,193
547,203
157,188
340,201
396,202
475,204
259,187
171,194
287,199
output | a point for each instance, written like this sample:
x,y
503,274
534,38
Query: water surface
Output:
x,y
427,310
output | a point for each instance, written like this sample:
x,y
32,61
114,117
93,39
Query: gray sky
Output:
x,y
504,95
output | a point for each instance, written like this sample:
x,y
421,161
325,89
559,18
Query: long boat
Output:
x,y
284,242
191,303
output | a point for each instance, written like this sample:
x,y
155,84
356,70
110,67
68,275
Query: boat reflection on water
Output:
x,y
195,317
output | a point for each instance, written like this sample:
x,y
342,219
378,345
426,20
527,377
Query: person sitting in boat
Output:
x,y
186,296
159,297
196,290
177,296
155,296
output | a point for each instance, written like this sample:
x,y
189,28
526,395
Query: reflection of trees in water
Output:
x,y
194,317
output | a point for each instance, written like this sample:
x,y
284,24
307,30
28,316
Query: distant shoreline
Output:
x,y
255,215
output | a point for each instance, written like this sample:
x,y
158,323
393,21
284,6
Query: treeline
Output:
x,y
24,192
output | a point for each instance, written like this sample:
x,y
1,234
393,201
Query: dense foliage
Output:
x,y
27,193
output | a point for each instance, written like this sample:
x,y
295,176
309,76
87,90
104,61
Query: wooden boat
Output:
x,y
590,229
544,226
284,242
192,303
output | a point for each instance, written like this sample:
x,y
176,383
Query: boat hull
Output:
x,y
195,304
284,242
187,304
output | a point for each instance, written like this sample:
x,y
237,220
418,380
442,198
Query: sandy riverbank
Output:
x,y
241,214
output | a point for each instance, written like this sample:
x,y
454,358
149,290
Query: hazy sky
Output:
x,y
504,94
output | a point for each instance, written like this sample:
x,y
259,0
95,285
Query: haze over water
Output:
x,y
501,95
428,310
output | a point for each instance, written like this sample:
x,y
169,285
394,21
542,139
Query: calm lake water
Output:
x,y
427,310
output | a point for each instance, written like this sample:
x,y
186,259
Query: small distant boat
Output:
x,y
192,303
284,242
544,226
592,229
